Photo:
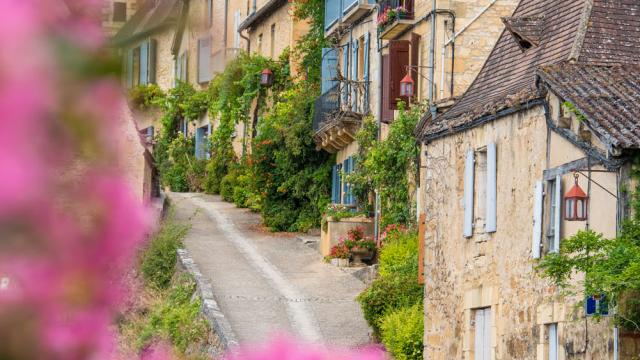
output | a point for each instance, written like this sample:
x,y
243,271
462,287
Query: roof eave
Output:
x,y
259,15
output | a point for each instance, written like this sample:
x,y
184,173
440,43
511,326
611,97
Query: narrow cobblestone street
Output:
x,y
267,284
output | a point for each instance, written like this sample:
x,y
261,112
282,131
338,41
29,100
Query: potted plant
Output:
x,y
339,255
360,247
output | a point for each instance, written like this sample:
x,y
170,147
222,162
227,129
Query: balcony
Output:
x,y
356,10
338,115
396,17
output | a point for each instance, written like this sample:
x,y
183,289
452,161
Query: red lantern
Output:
x,y
406,86
266,78
576,203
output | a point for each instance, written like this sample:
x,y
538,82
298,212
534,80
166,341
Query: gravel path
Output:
x,y
267,284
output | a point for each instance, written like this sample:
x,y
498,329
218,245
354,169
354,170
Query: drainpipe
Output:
x,y
248,41
432,45
254,8
452,15
376,211
226,24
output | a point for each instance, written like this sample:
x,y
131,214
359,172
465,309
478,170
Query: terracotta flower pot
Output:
x,y
360,255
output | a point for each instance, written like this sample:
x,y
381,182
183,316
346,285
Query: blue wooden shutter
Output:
x,y
354,75
208,141
366,73
332,9
345,73
468,194
334,184
130,68
352,168
537,220
329,68
558,215
491,210
144,63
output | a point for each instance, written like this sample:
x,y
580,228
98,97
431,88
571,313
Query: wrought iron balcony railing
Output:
x,y
326,105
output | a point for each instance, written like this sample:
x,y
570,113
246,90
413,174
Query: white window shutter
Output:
x,y
537,220
479,335
491,211
558,214
468,194
487,334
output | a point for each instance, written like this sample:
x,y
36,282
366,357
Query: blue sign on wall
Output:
x,y
596,305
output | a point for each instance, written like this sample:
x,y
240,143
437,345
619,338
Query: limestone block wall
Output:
x,y
284,33
112,27
131,159
495,270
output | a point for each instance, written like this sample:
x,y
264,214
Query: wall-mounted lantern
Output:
x,y
266,78
406,86
576,203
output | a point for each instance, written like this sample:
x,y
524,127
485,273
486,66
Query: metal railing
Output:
x,y
406,5
326,105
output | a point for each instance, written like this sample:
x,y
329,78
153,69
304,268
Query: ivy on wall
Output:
x,y
388,166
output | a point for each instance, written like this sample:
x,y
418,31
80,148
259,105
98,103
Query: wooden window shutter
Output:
x,y
366,73
422,228
491,206
468,193
399,60
387,112
415,61
558,214
329,69
345,186
144,63
334,184
345,73
130,68
537,220
153,49
354,74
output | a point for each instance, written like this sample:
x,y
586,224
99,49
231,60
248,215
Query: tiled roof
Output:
x,y
150,17
592,31
527,27
608,97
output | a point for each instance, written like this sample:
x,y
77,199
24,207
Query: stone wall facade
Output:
x,y
496,270
110,26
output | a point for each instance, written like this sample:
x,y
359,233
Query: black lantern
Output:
x,y
406,86
576,203
266,78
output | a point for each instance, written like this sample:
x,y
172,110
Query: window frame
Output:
x,y
119,8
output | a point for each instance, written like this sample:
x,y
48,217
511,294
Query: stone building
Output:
x,y
373,51
556,98
116,13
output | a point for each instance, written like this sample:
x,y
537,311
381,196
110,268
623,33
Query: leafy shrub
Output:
x,y
145,96
403,331
175,317
179,164
399,255
196,174
226,186
159,259
387,294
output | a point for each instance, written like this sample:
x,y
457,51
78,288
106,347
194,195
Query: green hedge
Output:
x,y
395,296
403,332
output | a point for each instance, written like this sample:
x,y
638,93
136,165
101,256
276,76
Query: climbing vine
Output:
x,y
388,166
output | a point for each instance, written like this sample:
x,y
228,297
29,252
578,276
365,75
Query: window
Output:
x,y
204,60
552,341
348,168
260,44
119,11
209,12
482,338
554,196
336,184
272,50
480,190
181,67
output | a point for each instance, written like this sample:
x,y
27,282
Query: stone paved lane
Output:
x,y
266,283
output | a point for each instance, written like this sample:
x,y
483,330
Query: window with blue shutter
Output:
x,y
491,206
354,75
329,69
332,12
336,185
346,170
352,168
130,68
144,63
345,73
468,193
347,5
366,73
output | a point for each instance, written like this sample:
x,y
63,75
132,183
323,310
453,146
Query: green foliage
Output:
x,y
175,317
308,52
159,259
179,164
399,255
387,294
293,177
403,331
388,165
145,96
579,115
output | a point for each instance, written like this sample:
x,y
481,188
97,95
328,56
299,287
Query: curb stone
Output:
x,y
210,309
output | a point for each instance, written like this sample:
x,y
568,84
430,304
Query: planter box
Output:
x,y
393,30
332,232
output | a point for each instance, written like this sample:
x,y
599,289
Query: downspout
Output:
x,y
376,211
226,24
432,45
248,41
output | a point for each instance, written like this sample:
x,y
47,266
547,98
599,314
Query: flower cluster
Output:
x,y
389,15
339,251
392,231
357,240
